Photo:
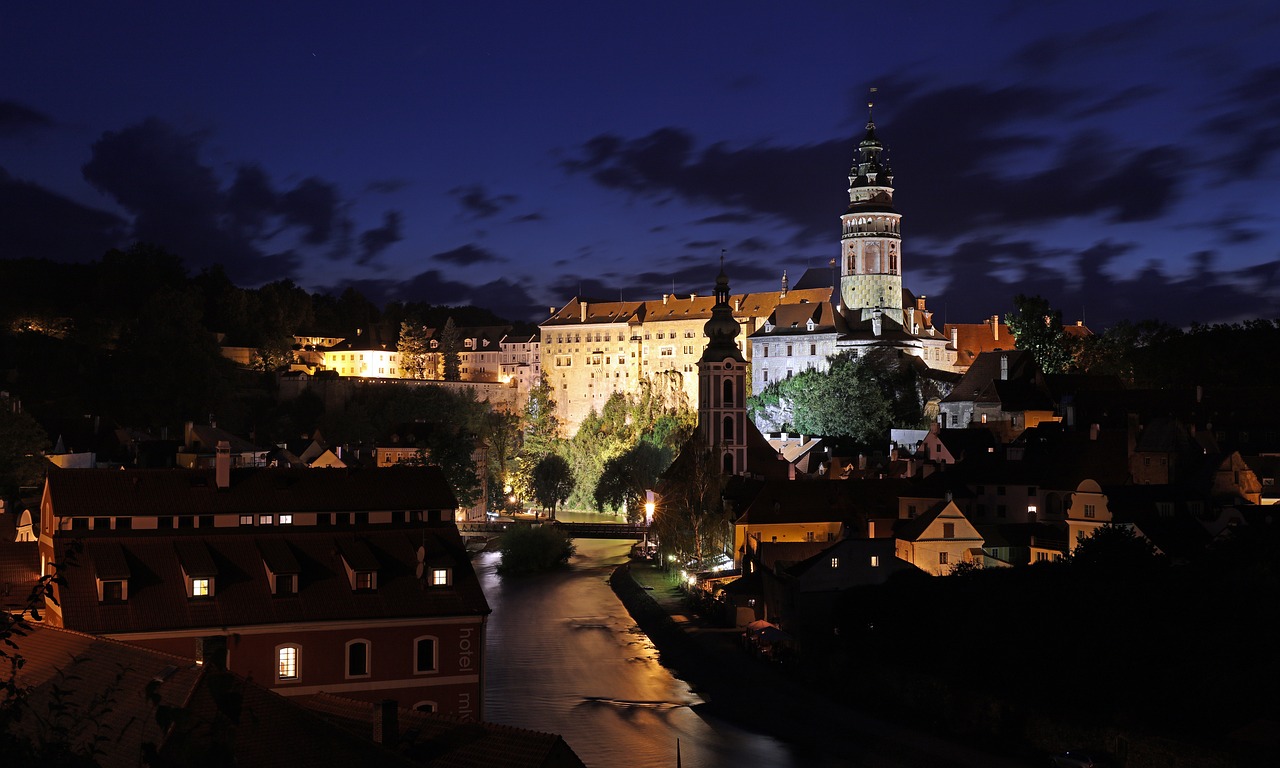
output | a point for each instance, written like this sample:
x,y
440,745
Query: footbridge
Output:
x,y
487,528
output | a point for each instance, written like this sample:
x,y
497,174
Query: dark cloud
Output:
x,y
955,180
752,244
700,244
729,217
256,231
478,203
1116,101
508,300
376,240
467,255
1050,52
528,218
313,205
983,277
386,186
1246,134
37,223
17,119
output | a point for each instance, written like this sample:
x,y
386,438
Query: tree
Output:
x,y
529,549
540,434
858,397
690,517
625,479
1114,547
451,351
22,446
552,482
413,349
1037,328
451,450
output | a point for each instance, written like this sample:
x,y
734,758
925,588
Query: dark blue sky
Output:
x,y
1122,159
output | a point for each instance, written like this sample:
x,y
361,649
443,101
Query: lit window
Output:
x,y
266,519
358,658
875,561
424,655
364,579
199,587
246,519
287,662
835,562
439,577
286,519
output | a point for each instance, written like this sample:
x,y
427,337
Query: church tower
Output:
x,y
722,378
870,238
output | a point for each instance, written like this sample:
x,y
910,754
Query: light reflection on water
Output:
x,y
564,656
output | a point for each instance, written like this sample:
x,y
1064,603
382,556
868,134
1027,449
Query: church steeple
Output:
x,y
722,329
722,377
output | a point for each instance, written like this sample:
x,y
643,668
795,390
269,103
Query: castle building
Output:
x,y
592,349
869,309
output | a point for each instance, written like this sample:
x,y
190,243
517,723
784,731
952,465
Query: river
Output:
x,y
564,656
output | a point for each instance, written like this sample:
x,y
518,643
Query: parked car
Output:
x,y
1076,759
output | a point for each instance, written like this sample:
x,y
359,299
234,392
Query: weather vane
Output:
x,y
871,100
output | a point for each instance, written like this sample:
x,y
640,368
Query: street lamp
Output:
x,y
648,513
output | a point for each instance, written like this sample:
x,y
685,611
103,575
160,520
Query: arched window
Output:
x,y
288,663
358,658
425,706
728,463
728,391
727,432
424,655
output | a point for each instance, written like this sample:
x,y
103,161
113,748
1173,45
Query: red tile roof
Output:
x,y
158,601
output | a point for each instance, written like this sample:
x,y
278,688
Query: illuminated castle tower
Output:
x,y
870,238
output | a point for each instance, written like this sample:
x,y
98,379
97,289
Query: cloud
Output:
x,y
256,231
467,255
386,186
982,278
1247,132
16,119
37,223
1050,52
528,218
375,241
478,203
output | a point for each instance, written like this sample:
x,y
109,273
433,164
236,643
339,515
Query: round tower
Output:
x,y
870,237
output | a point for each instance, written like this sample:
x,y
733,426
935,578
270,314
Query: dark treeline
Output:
x,y
133,337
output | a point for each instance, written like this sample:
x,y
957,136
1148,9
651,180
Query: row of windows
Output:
x,y
359,659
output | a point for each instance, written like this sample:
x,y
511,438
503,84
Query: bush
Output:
x,y
531,549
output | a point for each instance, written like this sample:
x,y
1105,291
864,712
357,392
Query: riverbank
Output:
x,y
764,698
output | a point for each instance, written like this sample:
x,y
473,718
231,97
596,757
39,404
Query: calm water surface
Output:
x,y
564,656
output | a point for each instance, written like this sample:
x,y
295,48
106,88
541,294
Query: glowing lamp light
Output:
x,y
693,581
648,512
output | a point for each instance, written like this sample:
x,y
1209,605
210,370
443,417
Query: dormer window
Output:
x,y
113,590
201,587
809,325
441,577
198,569
360,564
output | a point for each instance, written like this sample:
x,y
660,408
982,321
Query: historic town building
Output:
x,y
352,582
722,381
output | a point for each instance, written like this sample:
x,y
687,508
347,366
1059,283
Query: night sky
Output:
x,y
1120,158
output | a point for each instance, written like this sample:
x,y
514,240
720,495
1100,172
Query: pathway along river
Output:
x,y
563,655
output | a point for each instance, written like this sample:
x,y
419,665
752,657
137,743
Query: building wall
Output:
x,y
455,687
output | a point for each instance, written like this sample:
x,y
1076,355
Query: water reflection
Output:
x,y
564,656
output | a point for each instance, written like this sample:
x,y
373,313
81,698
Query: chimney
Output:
x,y
665,296
222,464
583,306
1004,367
693,296
737,304
955,337
784,284
552,310
995,327
386,723
911,319
920,302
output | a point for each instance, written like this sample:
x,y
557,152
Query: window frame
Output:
x,y
368,659
435,655
282,679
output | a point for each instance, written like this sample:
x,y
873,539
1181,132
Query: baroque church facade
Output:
x,y
869,308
